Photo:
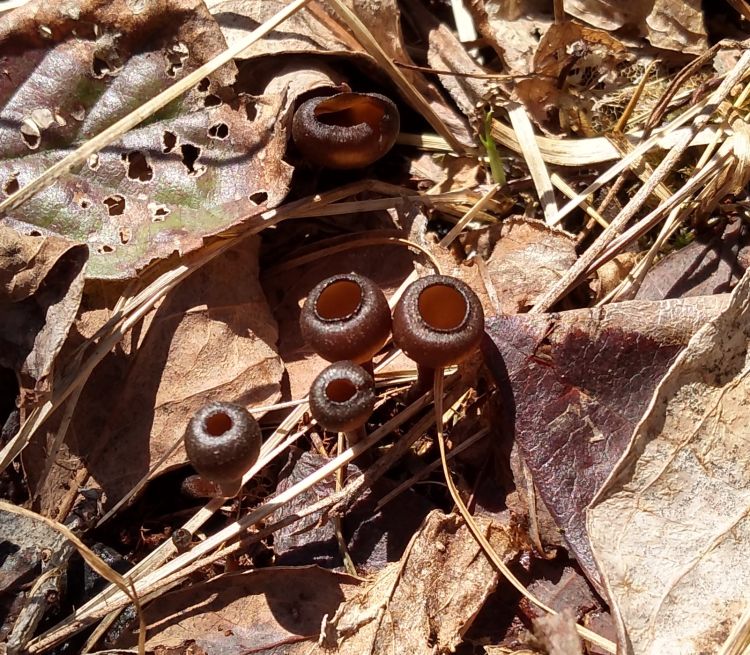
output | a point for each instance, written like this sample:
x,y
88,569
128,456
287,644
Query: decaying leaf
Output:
x,y
573,68
513,29
576,383
213,338
41,281
26,545
523,257
425,603
670,24
671,528
312,30
374,536
702,267
71,72
557,633
259,611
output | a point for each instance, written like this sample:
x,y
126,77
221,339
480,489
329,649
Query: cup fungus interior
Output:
x,y
349,109
442,307
340,390
338,300
217,424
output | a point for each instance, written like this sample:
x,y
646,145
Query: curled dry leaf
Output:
x,y
670,24
256,612
671,529
425,603
69,74
611,275
575,384
41,281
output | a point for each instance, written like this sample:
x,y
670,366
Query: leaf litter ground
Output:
x,y
117,349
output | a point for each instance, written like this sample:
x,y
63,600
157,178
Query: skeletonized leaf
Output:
x,y
671,528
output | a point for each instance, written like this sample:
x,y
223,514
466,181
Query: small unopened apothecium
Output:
x,y
342,398
222,442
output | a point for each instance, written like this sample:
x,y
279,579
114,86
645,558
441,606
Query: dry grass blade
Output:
x,y
694,183
114,131
578,270
469,216
434,466
596,150
527,142
8,5
738,641
114,598
352,243
92,559
674,129
135,308
563,186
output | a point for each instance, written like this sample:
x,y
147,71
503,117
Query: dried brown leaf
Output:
x,y
254,612
523,257
513,29
425,603
703,267
374,537
213,338
41,281
670,24
670,529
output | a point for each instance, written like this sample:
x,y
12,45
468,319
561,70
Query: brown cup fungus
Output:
x,y
342,398
222,442
438,321
346,130
346,317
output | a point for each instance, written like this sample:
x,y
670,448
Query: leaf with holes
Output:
x,y
70,73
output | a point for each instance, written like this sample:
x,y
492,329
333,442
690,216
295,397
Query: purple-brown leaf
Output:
x,y
576,383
